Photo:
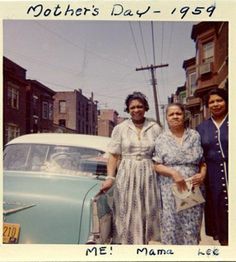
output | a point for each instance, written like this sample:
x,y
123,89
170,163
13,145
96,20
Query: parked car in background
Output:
x,y
51,187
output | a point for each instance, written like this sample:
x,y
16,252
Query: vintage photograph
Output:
x,y
115,132
65,91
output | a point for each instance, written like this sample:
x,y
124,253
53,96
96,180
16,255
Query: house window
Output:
x,y
45,112
50,113
62,106
183,98
12,131
192,83
208,52
35,105
62,122
78,108
13,96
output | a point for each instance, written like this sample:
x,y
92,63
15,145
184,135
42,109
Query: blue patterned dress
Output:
x,y
136,192
182,228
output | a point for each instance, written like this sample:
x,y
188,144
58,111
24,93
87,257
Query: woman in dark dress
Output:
x,y
214,139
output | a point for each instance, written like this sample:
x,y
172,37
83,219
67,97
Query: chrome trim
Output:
x,y
15,210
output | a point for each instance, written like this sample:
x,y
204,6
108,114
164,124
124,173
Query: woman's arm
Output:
x,y
198,178
170,172
112,165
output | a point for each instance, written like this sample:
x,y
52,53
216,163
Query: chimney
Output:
x,y
91,98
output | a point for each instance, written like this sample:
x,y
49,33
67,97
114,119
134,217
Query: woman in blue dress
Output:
x,y
178,155
214,139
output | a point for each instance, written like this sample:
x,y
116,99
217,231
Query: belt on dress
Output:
x,y
136,157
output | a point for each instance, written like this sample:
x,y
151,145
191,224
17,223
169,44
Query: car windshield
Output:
x,y
54,159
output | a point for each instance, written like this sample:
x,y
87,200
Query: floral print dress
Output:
x,y
182,228
136,194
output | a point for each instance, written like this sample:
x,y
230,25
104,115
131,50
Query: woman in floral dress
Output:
x,y
178,155
136,193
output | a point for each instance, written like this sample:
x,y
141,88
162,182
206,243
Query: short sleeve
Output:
x,y
197,148
156,130
114,147
157,153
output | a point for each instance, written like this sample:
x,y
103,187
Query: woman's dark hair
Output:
x,y
217,91
181,106
139,96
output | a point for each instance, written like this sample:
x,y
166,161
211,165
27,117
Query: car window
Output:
x,y
15,157
55,159
37,156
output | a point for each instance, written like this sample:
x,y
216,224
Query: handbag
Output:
x,y
101,219
190,197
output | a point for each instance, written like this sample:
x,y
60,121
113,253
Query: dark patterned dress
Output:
x,y
215,144
183,227
136,193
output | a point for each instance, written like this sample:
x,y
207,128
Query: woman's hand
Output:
x,y
198,179
112,164
107,184
179,180
170,172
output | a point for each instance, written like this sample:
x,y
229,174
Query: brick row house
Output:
x,y
39,107
75,111
31,107
107,120
27,103
208,69
14,100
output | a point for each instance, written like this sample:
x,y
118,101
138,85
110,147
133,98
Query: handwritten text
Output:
x,y
118,10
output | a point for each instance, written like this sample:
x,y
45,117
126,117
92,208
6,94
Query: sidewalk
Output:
x,y
205,240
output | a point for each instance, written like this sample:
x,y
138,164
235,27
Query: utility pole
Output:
x,y
163,114
152,68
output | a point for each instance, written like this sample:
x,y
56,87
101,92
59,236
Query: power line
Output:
x,y
153,44
78,46
144,49
162,50
72,89
155,91
43,63
136,47
162,39
168,55
170,39
135,44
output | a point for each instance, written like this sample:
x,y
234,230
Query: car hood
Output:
x,y
50,208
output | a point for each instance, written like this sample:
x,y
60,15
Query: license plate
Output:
x,y
11,233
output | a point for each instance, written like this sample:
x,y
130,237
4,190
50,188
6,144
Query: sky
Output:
x,y
102,57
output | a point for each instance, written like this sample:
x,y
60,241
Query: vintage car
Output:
x,y
51,190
